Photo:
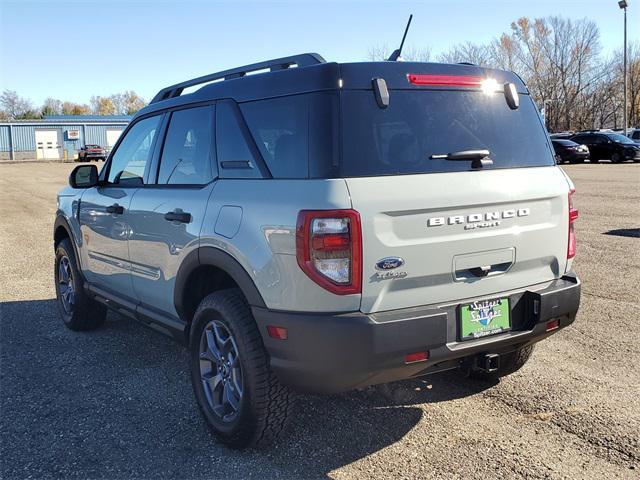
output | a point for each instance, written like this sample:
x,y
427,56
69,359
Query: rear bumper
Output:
x,y
336,352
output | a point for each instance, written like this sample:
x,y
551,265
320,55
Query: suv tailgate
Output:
x,y
514,221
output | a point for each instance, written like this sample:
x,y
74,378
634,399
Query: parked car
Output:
x,y
568,151
634,134
605,145
92,152
312,229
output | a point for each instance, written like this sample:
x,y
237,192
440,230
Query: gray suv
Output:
x,y
304,225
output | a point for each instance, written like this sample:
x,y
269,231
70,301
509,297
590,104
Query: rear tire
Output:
x,y
616,158
509,363
242,400
78,311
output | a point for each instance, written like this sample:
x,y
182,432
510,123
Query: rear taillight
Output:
x,y
329,249
573,215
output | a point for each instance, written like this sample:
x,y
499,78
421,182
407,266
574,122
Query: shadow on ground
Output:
x,y
625,232
117,403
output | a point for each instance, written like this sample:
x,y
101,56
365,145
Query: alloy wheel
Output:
x,y
220,371
65,285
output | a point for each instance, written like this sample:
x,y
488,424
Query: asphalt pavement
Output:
x,y
117,402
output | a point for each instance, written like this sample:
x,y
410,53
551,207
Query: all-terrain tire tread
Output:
x,y
272,402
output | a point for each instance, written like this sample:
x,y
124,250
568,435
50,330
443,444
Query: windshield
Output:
x,y
616,137
417,124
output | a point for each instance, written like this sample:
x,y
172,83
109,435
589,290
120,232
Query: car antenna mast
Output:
x,y
396,53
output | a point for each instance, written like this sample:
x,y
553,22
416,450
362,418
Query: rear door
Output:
x,y
165,217
451,231
604,146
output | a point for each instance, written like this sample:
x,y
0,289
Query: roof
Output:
x,y
276,78
86,118
72,120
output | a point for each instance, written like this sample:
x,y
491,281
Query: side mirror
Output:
x,y
84,176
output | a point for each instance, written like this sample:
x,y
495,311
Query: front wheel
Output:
x,y
616,158
238,394
78,311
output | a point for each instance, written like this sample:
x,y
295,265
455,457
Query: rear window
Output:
x,y
400,139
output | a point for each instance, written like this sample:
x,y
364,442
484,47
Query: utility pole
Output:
x,y
544,109
623,5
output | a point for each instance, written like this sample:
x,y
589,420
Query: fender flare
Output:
x,y
214,257
61,221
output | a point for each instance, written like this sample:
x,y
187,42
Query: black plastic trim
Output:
x,y
261,164
211,256
329,352
61,221
131,308
301,60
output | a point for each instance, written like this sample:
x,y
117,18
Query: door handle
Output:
x,y
177,216
115,208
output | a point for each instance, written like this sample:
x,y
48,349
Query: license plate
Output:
x,y
484,317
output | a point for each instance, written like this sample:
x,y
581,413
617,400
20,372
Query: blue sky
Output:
x,y
74,49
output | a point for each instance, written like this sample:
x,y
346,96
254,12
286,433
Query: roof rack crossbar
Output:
x,y
302,60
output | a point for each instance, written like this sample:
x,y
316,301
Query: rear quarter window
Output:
x,y
280,128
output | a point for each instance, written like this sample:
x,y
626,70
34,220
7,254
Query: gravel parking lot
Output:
x,y
117,402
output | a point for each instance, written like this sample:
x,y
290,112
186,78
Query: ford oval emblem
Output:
x,y
389,263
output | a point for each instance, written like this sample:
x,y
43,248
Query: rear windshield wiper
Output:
x,y
479,158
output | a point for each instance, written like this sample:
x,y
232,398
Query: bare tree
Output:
x,y
467,53
52,106
505,53
132,102
16,107
560,61
380,53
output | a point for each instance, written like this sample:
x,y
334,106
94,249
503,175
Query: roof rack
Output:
x,y
302,60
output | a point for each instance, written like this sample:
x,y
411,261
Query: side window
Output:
x,y
280,128
636,135
186,155
130,160
234,155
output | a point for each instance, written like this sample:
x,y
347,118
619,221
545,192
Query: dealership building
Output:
x,y
58,137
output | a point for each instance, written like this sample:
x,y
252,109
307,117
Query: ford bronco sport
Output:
x,y
315,226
